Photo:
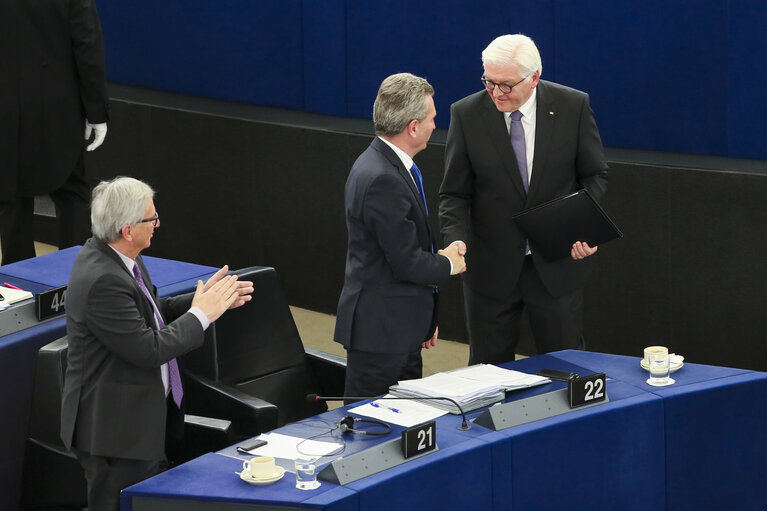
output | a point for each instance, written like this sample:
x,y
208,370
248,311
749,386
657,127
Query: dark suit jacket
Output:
x,y
51,79
482,188
387,303
114,402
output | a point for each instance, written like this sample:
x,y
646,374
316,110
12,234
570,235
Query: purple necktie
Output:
x,y
173,373
517,133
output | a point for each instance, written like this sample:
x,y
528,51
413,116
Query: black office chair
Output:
x,y
256,350
45,453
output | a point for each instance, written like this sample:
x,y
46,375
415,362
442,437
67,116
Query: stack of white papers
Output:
x,y
469,394
505,378
471,387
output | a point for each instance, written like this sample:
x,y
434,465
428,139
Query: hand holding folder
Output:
x,y
553,227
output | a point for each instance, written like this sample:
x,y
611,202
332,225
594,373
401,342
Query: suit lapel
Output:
x,y
111,254
545,116
148,311
404,173
498,134
150,288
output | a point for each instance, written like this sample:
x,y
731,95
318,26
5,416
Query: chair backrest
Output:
x,y
45,453
257,349
45,420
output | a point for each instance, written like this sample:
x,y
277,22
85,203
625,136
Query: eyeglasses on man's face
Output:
x,y
505,88
155,219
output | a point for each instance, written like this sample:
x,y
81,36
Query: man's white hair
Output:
x,y
117,203
514,48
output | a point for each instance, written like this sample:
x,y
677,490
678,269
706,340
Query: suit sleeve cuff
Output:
x,y
200,316
449,261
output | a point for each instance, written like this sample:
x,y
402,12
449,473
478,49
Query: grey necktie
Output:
x,y
517,133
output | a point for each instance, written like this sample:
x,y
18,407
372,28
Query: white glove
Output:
x,y
100,132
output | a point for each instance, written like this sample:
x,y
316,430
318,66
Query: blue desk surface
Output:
x,y
52,270
592,458
18,351
714,432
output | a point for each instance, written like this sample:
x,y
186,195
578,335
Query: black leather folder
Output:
x,y
553,227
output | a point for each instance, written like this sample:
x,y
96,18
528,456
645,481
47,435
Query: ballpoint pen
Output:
x,y
12,286
379,405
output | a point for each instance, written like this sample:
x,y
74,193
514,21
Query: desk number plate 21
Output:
x,y
51,303
587,390
419,439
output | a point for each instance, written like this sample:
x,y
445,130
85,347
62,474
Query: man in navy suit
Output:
x,y
387,309
518,143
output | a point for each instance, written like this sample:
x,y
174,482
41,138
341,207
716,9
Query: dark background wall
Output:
x,y
684,76
689,272
244,186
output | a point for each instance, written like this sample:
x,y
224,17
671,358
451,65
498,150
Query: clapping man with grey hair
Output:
x,y
123,394
387,309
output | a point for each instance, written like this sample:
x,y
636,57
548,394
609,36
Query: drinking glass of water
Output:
x,y
306,474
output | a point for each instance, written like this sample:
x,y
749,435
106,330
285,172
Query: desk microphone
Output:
x,y
463,427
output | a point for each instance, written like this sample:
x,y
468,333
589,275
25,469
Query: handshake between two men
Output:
x,y
456,252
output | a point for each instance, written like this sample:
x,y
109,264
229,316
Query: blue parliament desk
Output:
x,y
592,458
715,439
18,350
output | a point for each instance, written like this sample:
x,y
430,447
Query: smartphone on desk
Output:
x,y
246,448
554,374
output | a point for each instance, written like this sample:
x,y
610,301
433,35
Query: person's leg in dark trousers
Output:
x,y
371,374
17,230
72,211
556,322
108,476
493,325
175,447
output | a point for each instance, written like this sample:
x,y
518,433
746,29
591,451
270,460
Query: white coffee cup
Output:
x,y
653,350
260,467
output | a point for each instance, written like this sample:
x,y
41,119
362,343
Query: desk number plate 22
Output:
x,y
587,390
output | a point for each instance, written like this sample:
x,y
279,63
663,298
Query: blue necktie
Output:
x,y
517,133
419,184
174,375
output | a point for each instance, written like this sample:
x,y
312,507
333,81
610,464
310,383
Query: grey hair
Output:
x,y
401,98
117,203
514,48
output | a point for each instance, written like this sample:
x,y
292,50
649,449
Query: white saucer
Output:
x,y
669,382
261,481
675,363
